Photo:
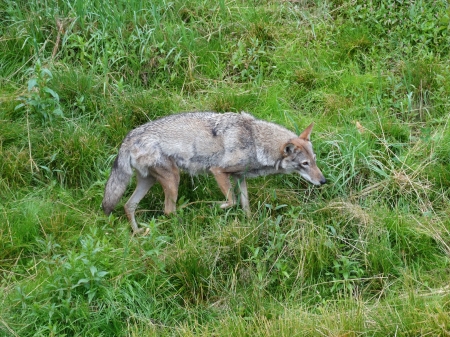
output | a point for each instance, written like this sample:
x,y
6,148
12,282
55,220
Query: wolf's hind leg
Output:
x,y
142,187
241,184
169,178
223,180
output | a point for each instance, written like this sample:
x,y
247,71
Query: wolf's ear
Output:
x,y
289,149
305,134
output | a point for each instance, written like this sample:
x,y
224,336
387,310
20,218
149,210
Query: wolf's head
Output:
x,y
298,156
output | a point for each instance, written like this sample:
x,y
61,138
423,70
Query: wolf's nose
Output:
x,y
323,181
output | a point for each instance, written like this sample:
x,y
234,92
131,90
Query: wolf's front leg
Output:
x,y
223,180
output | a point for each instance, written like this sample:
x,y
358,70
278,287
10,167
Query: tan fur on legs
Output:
x,y
169,178
223,180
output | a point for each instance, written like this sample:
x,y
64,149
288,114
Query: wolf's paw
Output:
x,y
227,204
141,231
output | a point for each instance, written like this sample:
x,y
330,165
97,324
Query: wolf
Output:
x,y
228,145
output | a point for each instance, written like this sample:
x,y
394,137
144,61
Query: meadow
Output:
x,y
367,254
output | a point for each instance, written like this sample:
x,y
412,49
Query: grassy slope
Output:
x,y
368,254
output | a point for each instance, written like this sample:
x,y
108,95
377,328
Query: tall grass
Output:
x,y
367,254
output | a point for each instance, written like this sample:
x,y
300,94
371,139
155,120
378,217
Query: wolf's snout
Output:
x,y
322,181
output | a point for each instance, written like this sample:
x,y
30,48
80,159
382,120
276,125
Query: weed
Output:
x,y
412,25
251,61
41,100
346,274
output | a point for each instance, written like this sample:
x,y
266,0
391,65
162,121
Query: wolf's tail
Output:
x,y
121,173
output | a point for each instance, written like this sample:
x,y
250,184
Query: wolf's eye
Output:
x,y
305,163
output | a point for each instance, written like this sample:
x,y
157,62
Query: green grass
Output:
x,y
366,255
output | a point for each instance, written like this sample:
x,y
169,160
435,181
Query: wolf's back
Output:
x,y
121,173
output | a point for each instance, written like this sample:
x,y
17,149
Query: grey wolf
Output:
x,y
228,145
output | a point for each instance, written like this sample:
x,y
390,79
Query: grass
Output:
x,y
367,254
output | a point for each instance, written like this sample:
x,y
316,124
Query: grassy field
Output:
x,y
366,255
